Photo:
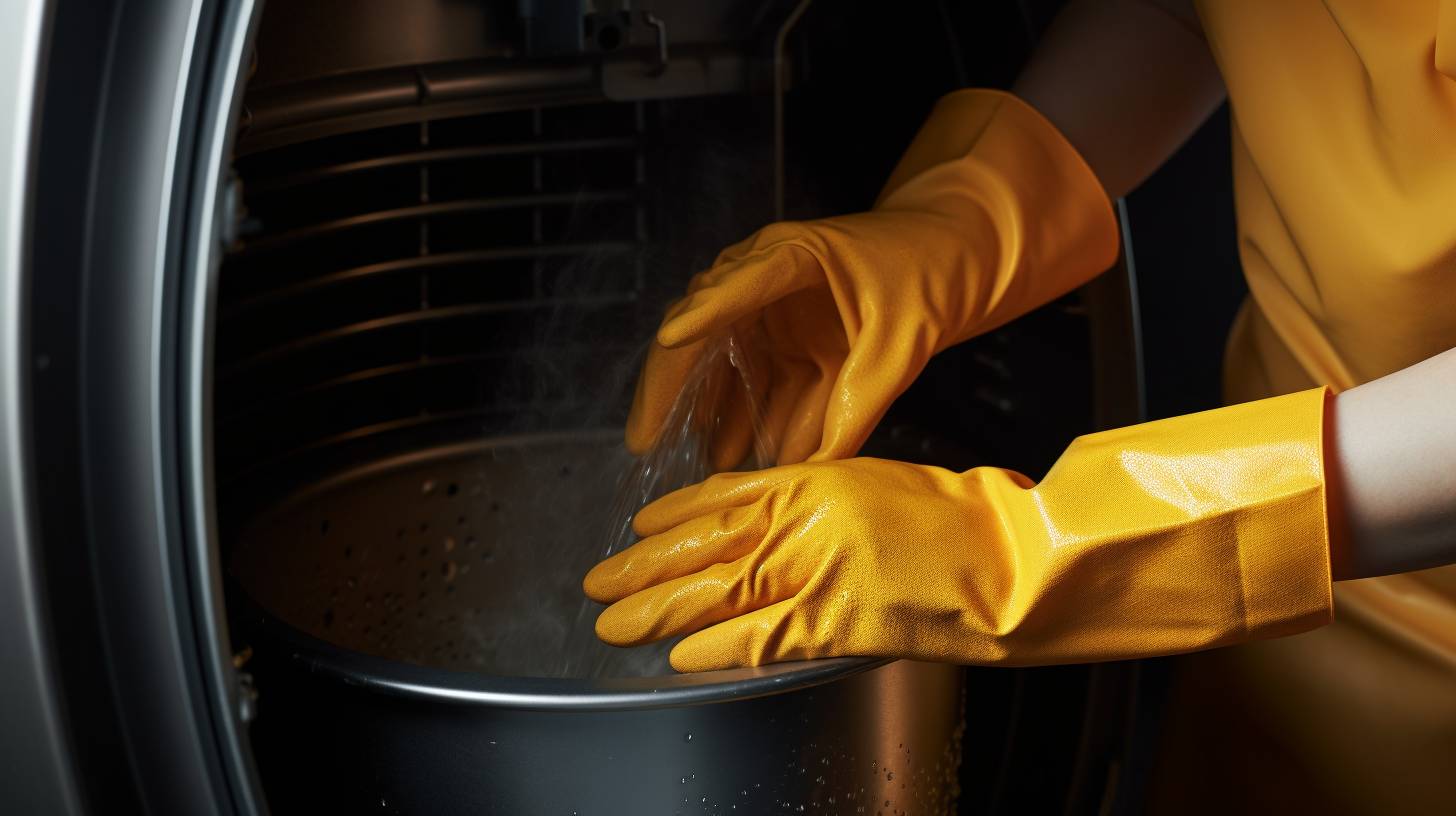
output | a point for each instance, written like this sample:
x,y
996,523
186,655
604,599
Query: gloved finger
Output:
x,y
665,373
715,538
878,368
731,400
718,593
805,430
752,639
733,291
809,327
732,431
715,493
790,379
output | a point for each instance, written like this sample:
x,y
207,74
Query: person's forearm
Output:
x,y
1392,472
1126,81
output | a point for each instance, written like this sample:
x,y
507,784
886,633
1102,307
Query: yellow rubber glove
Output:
x,y
1176,535
989,214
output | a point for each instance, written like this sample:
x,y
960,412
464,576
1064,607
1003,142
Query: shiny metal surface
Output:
x,y
38,776
465,557
343,733
209,221
407,286
170,76
449,208
399,593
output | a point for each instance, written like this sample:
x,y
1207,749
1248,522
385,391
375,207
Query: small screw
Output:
x,y
247,698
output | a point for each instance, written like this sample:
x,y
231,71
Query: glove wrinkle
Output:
x,y
990,214
1170,536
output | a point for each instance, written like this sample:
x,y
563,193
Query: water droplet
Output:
x,y
350,582
448,570
684,780
688,737
449,543
428,487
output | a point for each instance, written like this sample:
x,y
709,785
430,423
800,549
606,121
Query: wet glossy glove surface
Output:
x,y
1175,535
989,214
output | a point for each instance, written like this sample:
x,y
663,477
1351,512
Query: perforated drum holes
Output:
x,y
467,561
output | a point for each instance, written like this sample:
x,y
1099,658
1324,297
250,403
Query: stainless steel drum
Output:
x,y
465,557
408,615
345,733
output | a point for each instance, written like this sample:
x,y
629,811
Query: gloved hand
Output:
x,y
989,214
1176,535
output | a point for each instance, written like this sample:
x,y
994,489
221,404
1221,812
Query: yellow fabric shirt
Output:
x,y
1344,154
1344,121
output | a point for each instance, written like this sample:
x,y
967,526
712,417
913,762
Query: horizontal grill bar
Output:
x,y
428,210
268,185
397,369
426,262
422,316
390,426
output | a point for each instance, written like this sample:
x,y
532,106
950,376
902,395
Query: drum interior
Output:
x,y
465,557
